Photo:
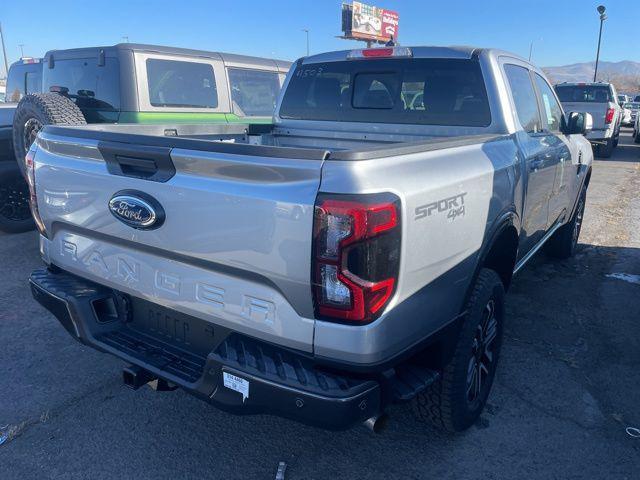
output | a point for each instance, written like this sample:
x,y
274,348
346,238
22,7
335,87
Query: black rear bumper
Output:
x,y
280,381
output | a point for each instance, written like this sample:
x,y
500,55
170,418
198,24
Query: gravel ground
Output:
x,y
567,387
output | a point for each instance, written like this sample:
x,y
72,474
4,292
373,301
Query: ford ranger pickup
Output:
x,y
354,254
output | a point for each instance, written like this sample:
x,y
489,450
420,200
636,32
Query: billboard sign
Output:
x,y
366,22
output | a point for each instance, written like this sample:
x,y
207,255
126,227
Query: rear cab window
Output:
x,y
174,83
405,91
253,92
584,93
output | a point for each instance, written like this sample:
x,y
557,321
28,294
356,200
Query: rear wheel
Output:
x,y
636,136
563,243
456,400
15,215
606,150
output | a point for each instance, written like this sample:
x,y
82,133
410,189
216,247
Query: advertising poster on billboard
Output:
x,y
371,23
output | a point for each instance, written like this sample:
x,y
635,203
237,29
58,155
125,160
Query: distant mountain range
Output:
x,y
625,74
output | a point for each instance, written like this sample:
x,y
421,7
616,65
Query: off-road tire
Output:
x,y
606,150
445,403
563,243
15,216
35,111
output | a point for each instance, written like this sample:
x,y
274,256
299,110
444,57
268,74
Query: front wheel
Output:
x,y
456,400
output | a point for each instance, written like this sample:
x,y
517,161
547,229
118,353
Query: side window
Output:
x,y
524,97
253,92
33,82
552,113
174,83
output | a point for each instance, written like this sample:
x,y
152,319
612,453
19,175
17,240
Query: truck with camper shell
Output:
x,y
353,254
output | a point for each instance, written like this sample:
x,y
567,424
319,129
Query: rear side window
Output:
x,y
524,97
552,112
408,91
90,86
175,83
253,92
584,93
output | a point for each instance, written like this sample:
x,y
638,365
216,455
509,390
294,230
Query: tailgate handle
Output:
x,y
138,161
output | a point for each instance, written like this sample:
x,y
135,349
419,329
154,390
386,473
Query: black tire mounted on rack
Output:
x,y
32,113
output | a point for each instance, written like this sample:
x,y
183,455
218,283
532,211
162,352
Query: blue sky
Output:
x,y
563,31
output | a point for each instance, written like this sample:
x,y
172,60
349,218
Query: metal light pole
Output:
x,y
603,17
306,30
4,53
530,50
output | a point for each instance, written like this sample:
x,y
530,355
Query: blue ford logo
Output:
x,y
136,209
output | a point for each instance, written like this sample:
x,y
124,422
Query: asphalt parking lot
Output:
x,y
567,387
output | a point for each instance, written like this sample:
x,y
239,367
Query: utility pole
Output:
x,y
306,30
603,17
21,45
530,50
4,52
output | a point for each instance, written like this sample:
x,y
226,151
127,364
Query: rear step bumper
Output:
x,y
238,374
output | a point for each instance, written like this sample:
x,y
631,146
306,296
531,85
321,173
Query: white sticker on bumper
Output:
x,y
237,384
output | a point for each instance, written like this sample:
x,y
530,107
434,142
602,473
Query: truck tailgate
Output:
x,y
597,110
234,247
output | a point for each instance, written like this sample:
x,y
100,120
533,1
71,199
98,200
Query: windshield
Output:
x,y
584,93
632,105
408,91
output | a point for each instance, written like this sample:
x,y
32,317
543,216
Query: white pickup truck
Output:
x,y
600,100
354,254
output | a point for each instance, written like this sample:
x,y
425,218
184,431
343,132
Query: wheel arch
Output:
x,y
500,251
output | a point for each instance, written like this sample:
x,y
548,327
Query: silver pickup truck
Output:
x,y
354,254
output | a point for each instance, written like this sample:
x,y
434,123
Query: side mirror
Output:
x,y
579,123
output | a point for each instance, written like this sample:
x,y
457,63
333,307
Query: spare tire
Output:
x,y
35,111
15,215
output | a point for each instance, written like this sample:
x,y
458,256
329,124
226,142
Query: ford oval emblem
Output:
x,y
136,209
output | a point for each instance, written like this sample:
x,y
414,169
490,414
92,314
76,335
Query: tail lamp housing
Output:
x,y
609,116
356,252
30,165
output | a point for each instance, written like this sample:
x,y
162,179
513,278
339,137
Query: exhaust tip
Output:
x,y
377,423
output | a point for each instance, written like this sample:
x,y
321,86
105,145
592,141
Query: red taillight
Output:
x,y
609,116
30,165
356,255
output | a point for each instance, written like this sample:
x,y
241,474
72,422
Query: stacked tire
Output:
x,y
32,113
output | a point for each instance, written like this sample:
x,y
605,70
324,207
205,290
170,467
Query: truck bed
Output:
x,y
265,140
